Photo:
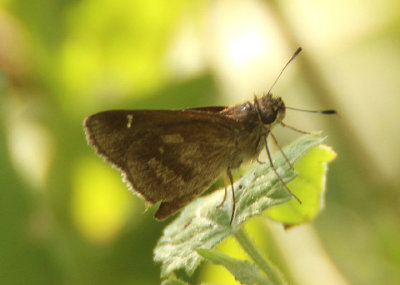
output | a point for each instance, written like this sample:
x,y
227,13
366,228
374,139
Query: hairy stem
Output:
x,y
270,269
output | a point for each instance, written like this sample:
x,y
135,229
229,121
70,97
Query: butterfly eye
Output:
x,y
268,116
268,108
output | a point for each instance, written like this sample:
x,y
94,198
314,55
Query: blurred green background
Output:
x,y
66,217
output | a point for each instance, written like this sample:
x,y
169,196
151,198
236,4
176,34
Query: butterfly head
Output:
x,y
271,111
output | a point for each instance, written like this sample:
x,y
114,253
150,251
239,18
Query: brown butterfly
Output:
x,y
173,156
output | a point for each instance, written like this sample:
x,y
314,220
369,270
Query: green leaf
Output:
x,y
202,225
244,271
309,186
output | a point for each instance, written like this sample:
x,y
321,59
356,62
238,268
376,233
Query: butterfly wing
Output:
x,y
171,156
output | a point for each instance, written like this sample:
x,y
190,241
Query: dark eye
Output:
x,y
268,116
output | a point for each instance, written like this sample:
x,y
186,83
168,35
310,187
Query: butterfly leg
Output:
x,y
228,172
223,200
271,163
259,161
280,149
295,129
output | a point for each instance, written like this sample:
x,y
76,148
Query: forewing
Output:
x,y
171,156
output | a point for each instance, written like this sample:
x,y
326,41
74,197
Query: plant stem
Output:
x,y
270,269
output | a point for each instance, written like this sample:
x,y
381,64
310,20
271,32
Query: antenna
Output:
x,y
326,112
283,69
